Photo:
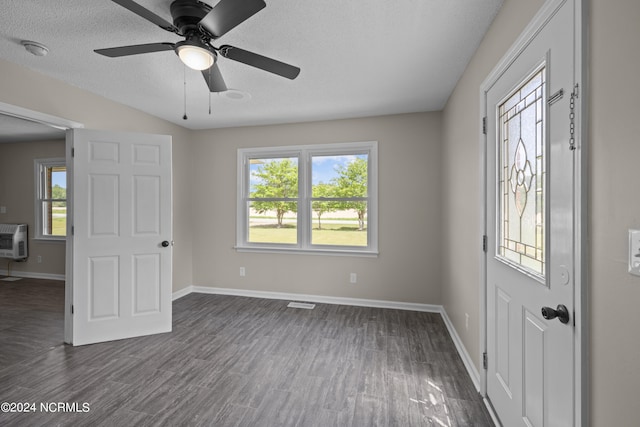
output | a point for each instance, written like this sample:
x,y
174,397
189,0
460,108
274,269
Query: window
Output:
x,y
51,198
318,198
522,177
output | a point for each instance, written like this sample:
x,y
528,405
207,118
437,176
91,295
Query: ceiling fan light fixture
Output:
x,y
195,56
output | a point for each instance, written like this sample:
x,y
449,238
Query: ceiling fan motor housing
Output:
x,y
187,14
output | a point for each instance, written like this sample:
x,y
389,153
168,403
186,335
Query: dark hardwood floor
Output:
x,y
235,361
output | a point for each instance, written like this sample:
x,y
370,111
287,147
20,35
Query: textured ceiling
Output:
x,y
358,58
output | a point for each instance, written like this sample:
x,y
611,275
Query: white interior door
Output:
x,y
122,253
530,227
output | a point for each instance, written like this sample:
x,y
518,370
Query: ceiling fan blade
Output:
x,y
229,13
214,79
114,52
259,61
147,14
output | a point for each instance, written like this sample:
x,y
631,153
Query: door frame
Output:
x,y
581,315
64,124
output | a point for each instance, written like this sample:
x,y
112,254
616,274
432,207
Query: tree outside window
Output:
x,y
308,198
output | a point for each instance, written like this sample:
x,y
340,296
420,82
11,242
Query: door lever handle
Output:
x,y
560,312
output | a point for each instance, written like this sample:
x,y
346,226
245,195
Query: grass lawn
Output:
x,y
59,221
59,226
331,234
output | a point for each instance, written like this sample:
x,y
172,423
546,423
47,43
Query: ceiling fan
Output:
x,y
199,24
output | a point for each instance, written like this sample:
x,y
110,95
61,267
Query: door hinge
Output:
x,y
485,360
72,230
484,243
71,308
484,125
73,152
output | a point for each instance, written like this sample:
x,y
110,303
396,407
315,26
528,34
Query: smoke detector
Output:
x,y
38,49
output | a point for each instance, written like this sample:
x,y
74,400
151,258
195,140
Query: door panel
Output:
x,y
533,369
104,294
121,270
502,339
529,263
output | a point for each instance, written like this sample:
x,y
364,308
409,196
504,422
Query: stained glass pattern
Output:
x,y
522,176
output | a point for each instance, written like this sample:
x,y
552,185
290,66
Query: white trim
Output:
x,y
33,275
320,299
304,155
581,202
326,252
462,351
38,117
581,343
181,293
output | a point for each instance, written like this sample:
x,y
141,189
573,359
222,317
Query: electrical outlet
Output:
x,y
3,209
243,272
466,321
39,259
353,278
634,252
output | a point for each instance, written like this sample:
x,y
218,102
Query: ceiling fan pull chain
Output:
x,y
185,92
210,91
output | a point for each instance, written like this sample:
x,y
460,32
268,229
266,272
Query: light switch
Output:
x,y
634,252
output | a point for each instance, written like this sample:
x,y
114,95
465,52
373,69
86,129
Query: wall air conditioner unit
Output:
x,y
13,241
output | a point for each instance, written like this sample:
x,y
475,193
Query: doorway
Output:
x,y
533,271
29,122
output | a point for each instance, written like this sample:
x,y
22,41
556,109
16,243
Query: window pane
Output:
x,y
339,223
522,176
308,198
55,218
54,208
58,182
273,222
339,176
273,178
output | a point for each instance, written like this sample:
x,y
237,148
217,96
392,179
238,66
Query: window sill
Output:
x,y
296,251
62,239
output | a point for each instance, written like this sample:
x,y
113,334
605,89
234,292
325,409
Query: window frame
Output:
x,y
40,167
304,154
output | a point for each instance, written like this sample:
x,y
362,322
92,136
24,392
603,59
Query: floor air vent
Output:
x,y
301,305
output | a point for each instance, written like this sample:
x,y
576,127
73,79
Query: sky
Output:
x,y
59,178
323,167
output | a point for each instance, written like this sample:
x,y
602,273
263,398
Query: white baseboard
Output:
x,y
181,293
31,275
320,299
466,358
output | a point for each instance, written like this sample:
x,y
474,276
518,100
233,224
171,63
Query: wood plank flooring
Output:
x,y
235,361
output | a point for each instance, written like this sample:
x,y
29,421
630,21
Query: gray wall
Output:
x,y
17,194
408,268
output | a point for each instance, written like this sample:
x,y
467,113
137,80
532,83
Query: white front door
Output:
x,y
530,230
122,254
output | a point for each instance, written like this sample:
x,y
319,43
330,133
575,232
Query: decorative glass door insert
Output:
x,y
522,172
